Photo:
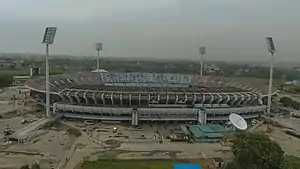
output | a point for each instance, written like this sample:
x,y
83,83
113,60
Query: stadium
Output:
x,y
138,97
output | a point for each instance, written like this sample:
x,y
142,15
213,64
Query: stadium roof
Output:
x,y
210,131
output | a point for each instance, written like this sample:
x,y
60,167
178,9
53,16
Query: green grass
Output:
x,y
130,164
14,72
293,162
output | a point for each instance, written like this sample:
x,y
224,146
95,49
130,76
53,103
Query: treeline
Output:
x,y
288,102
68,65
257,71
296,89
33,166
5,80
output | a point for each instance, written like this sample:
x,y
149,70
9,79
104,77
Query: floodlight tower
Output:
x,y
271,49
48,40
202,52
98,47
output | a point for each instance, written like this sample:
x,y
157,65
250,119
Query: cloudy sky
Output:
x,y
230,29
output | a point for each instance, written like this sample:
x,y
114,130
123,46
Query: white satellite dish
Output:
x,y
238,121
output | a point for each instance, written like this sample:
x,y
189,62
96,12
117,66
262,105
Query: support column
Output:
x,y
85,98
220,98
112,98
211,98
202,116
103,98
135,118
94,98
54,109
203,98
77,97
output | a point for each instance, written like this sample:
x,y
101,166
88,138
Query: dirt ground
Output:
x,y
99,140
66,151
290,144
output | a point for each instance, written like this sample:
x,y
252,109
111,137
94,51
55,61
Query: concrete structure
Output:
x,y
20,80
138,97
21,134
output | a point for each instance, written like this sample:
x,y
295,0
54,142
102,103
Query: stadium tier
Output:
x,y
139,97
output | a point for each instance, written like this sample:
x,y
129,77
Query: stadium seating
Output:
x,y
63,81
151,93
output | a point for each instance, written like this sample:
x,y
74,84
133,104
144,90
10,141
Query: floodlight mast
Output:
x,y
271,49
98,47
202,51
48,40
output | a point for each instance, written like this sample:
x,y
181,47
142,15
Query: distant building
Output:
x,y
7,63
35,71
295,82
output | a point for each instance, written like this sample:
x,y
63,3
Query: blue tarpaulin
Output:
x,y
187,166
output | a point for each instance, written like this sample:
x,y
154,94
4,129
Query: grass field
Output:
x,y
140,164
293,162
130,164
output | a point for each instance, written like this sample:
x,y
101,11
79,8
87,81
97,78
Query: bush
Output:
x,y
24,167
288,102
54,123
292,162
5,80
74,131
35,166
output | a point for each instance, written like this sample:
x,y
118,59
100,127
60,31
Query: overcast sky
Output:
x,y
230,29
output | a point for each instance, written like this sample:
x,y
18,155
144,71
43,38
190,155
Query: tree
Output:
x,y
257,151
288,102
24,167
292,162
35,166
74,131
5,80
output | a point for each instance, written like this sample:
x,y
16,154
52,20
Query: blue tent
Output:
x,y
187,166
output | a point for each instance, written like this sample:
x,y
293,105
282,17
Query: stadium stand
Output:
x,y
149,96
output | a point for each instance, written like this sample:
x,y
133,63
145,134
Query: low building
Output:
x,y
20,80
208,131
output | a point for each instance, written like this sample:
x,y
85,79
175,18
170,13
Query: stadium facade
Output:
x,y
136,97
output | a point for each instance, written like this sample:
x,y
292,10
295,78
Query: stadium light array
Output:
x,y
98,47
271,49
202,52
48,39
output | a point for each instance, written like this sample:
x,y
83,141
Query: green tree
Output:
x,y
35,166
5,80
292,162
74,131
257,151
24,167
288,102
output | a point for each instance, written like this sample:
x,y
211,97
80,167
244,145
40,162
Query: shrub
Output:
x,y
35,166
24,167
74,131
